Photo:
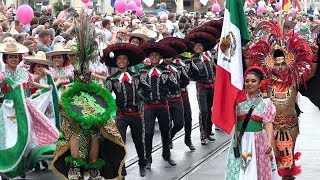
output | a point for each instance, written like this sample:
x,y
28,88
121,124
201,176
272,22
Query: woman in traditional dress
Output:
x,y
256,160
25,133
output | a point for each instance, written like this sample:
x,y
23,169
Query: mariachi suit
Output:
x,y
126,86
204,85
156,105
189,70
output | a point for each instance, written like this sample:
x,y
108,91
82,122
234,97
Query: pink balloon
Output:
x,y
24,14
261,9
216,7
85,1
120,6
139,11
131,5
293,11
88,4
278,6
138,2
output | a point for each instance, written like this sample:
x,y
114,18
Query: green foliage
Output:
x,y
58,6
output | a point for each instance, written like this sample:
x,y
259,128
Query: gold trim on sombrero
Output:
x,y
12,47
59,49
39,58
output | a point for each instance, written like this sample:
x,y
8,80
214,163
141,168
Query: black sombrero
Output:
x,y
175,43
207,40
164,50
134,53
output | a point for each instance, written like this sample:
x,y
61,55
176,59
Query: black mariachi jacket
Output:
x,y
128,94
189,66
159,84
206,70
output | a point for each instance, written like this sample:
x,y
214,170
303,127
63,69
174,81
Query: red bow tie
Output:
x,y
154,73
125,78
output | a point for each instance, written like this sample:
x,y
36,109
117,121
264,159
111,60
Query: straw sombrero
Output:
x,y
12,47
39,58
59,49
143,33
71,46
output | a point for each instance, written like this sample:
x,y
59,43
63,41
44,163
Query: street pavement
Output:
x,y
308,143
208,162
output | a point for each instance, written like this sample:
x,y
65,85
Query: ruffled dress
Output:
x,y
253,163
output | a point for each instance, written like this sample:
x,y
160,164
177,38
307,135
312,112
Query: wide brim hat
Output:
x,y
134,53
208,29
164,50
215,24
207,40
143,33
12,47
175,43
39,58
59,49
71,45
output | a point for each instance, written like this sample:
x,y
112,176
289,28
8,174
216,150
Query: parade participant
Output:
x,y
126,85
289,66
205,80
174,97
250,154
62,68
25,133
192,71
90,146
155,103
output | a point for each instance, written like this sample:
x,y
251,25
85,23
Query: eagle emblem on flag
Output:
x,y
228,46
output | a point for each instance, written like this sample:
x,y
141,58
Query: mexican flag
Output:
x,y
229,73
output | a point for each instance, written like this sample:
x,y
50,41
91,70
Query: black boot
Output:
x,y
44,164
171,162
191,146
142,171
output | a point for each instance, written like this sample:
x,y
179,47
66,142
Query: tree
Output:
x,y
58,6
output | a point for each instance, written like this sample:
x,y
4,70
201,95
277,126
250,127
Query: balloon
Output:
x,y
131,5
88,4
261,9
138,2
216,7
24,14
278,6
293,11
139,11
120,6
149,3
85,1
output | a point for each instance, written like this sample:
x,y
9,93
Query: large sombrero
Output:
x,y
175,43
134,53
164,50
71,45
59,49
143,33
215,24
39,58
208,29
12,47
203,38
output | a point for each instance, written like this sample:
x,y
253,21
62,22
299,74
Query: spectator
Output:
x,y
44,41
5,27
63,14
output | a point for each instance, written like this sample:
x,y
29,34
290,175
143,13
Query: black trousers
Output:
x,y
136,125
176,116
205,100
187,118
150,115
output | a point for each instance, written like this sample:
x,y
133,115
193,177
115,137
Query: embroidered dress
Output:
x,y
65,74
26,133
253,164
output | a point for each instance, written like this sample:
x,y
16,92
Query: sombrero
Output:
x,y
215,24
71,46
143,33
39,58
164,50
208,29
203,38
59,49
175,43
12,47
134,53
